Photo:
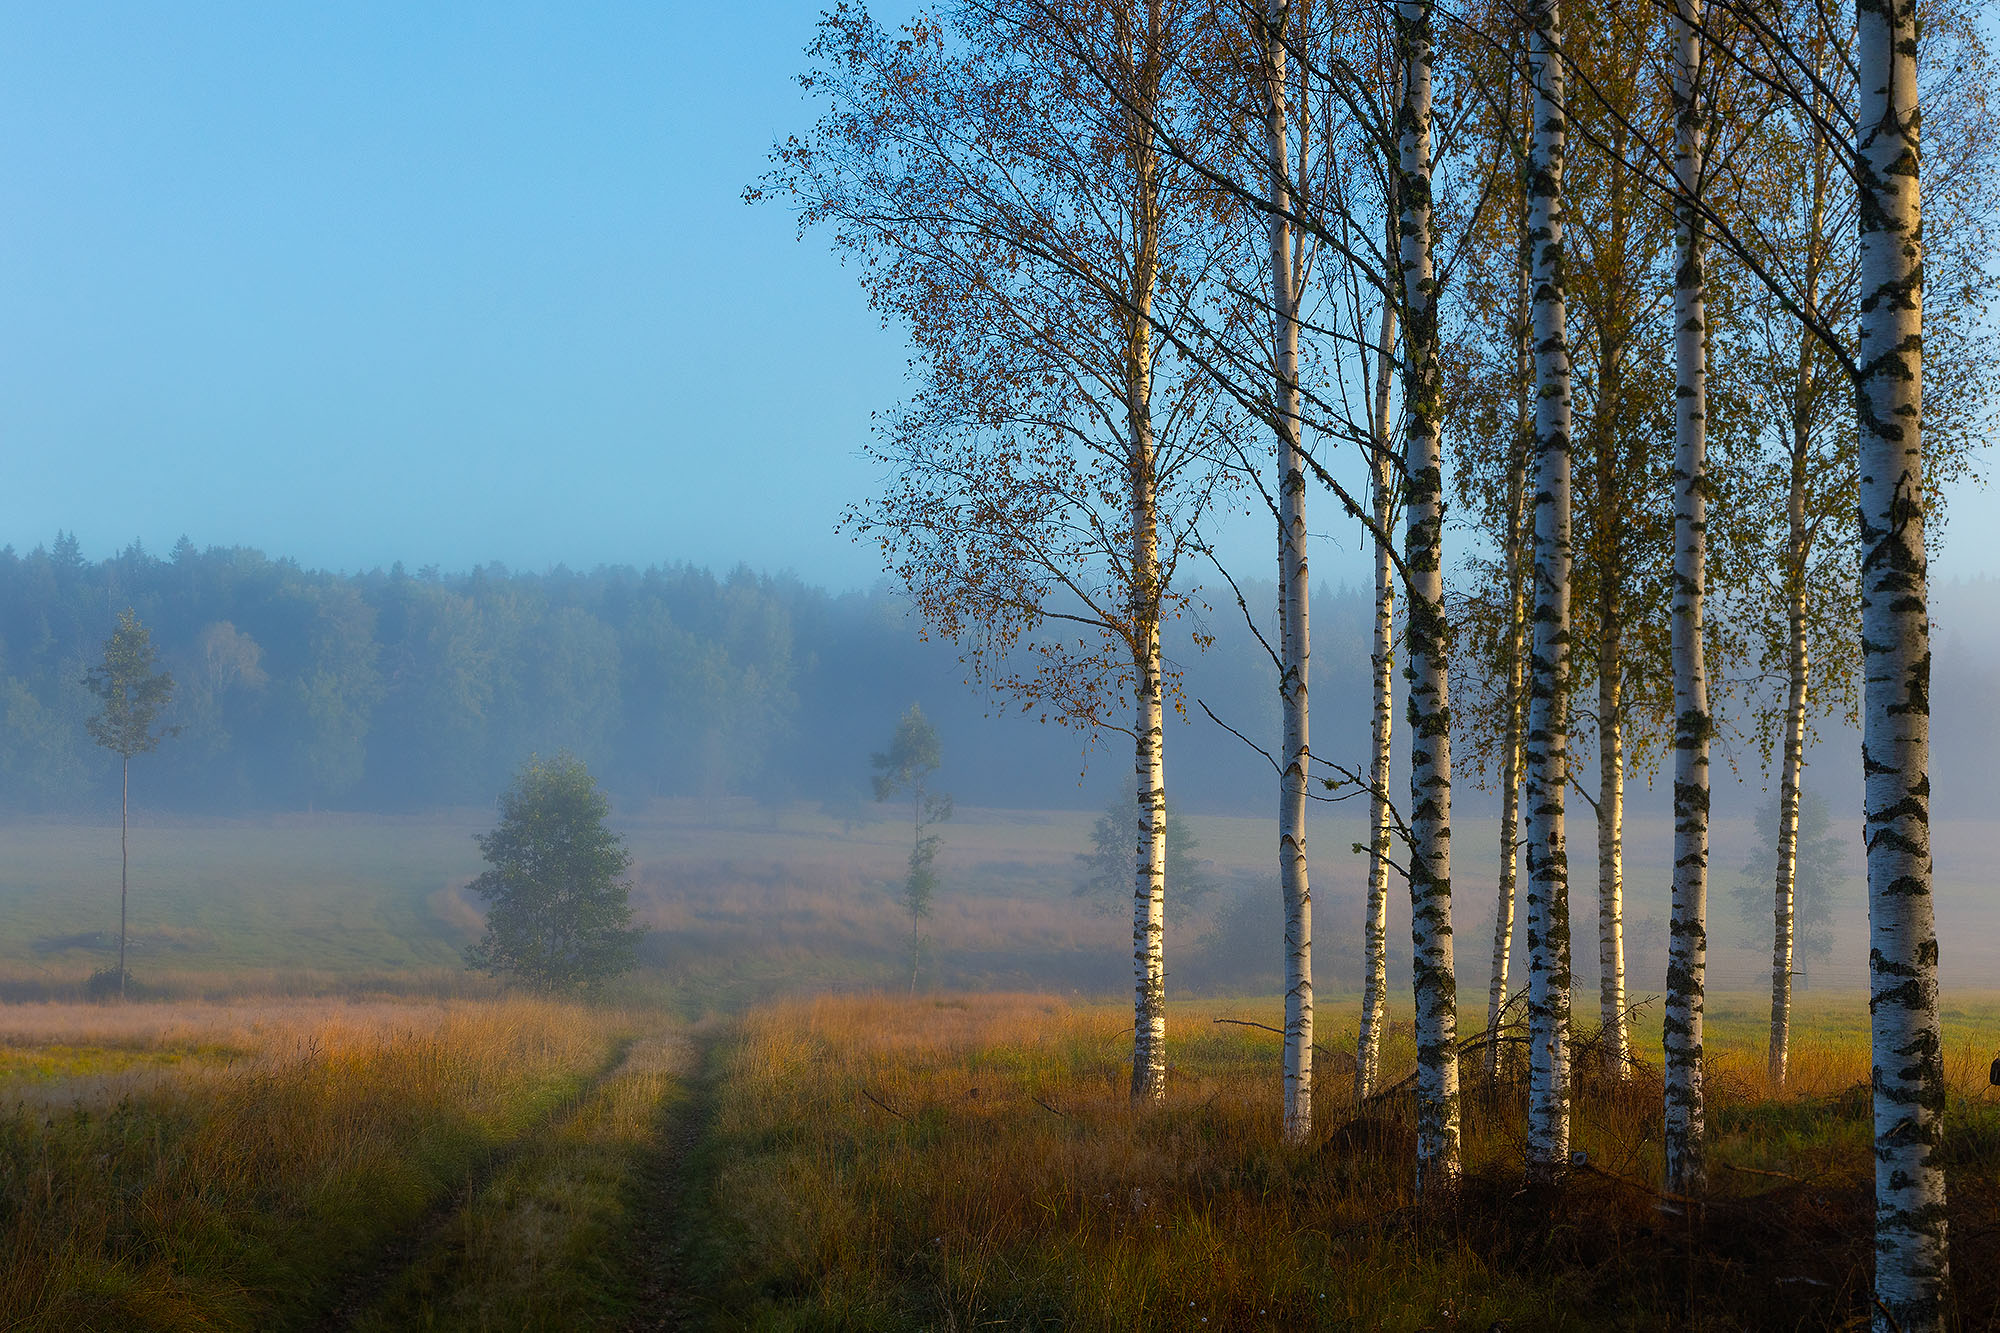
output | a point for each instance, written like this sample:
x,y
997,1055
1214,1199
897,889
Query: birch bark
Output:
x,y
1375,924
1792,768
1910,1244
1614,336
1518,574
1611,826
1429,639
1547,747
1295,592
1381,729
1688,925
1149,899
1798,552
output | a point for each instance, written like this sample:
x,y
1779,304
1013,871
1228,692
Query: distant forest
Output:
x,y
397,690
402,691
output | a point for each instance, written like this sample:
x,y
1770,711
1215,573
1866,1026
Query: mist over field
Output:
x,y
342,737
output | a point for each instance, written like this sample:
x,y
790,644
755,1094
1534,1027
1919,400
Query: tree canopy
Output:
x,y
559,912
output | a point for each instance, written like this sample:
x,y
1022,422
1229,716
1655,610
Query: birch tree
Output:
x,y
1911,1270
1001,182
1490,385
1688,925
1384,501
1294,585
1792,589
1322,206
1513,660
1429,669
906,769
1547,744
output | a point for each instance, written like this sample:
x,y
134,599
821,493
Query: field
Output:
x,y
313,1118
743,899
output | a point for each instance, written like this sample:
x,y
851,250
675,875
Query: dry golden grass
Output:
x,y
974,1162
546,1245
241,1179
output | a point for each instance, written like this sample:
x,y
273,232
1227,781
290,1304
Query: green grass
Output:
x,y
257,900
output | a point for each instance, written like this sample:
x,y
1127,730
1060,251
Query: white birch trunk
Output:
x,y
1149,896
1610,505
1382,730
124,859
1792,765
1798,551
1911,1279
1517,556
1547,750
1617,1046
1429,670
1687,951
1149,905
1295,592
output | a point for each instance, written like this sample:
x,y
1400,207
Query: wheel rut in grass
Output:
x,y
368,1287
662,1240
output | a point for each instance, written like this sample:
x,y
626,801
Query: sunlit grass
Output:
x,y
546,1245
218,1166
974,1161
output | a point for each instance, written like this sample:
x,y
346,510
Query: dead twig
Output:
x,y
885,1106
1266,1027
1759,1171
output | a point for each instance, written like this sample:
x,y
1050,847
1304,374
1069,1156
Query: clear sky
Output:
x,y
446,282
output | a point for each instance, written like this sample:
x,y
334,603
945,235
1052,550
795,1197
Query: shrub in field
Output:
x,y
560,913
111,983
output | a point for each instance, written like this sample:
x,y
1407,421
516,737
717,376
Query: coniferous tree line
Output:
x,y
404,691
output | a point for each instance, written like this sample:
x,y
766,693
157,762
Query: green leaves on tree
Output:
x,y
559,912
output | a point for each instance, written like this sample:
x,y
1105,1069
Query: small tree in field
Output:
x,y
905,768
559,913
132,696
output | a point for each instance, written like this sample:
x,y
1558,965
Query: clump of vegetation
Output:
x,y
559,915
110,983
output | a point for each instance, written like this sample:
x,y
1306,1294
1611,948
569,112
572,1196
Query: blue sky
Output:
x,y
446,283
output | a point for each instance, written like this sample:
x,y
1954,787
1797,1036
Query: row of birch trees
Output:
x,y
1621,312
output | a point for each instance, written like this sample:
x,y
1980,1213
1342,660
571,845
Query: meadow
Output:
x,y
191,1166
746,900
961,1163
314,1118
